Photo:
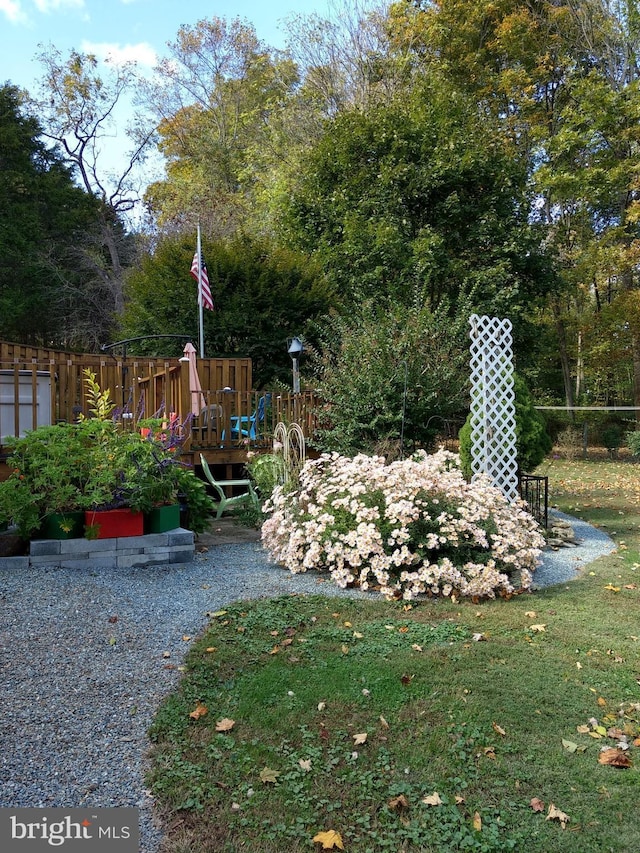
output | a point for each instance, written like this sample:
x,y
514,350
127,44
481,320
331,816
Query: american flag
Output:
x,y
204,291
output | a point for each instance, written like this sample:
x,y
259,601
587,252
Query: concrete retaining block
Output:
x,y
14,562
181,555
180,537
89,546
52,560
47,546
175,546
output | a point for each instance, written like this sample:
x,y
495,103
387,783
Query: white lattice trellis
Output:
x,y
493,416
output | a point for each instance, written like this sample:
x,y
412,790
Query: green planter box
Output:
x,y
62,525
113,523
162,518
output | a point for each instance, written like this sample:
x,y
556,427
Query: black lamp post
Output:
x,y
295,350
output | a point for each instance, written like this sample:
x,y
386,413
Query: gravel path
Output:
x,y
84,665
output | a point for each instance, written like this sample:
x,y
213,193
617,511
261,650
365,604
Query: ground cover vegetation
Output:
x,y
310,723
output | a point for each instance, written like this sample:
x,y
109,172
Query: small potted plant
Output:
x,y
44,494
110,476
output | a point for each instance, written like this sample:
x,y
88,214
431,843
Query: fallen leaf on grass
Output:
x,y
329,840
556,814
537,628
537,804
432,799
530,614
612,588
211,649
614,758
225,725
569,745
384,723
583,730
477,822
498,729
269,775
615,732
398,803
490,752
199,711
478,638
360,738
305,763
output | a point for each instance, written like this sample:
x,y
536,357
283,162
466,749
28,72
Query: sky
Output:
x,y
124,30
132,29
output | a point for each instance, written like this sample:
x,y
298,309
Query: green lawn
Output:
x,y
438,727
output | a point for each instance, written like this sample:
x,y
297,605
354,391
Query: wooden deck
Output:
x,y
41,386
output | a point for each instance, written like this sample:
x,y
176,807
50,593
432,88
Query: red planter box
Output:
x,y
112,523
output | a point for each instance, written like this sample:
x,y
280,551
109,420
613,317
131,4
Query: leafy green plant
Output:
x,y
633,442
389,375
95,464
267,471
612,437
53,471
98,401
532,440
192,493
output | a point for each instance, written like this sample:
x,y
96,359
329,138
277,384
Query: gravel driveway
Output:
x,y
87,656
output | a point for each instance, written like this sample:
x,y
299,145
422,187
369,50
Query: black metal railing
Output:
x,y
534,491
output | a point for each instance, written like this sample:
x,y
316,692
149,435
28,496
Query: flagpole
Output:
x,y
200,299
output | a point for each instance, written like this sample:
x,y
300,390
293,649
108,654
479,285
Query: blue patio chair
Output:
x,y
245,427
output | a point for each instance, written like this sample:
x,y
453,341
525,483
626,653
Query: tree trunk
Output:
x,y
564,357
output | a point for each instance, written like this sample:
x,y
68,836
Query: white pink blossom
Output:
x,y
409,528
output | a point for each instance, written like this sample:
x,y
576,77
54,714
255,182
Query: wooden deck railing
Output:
x,y
247,421
39,386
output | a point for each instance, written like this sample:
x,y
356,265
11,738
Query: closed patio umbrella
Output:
x,y
197,397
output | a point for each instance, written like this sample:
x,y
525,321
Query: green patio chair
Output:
x,y
224,503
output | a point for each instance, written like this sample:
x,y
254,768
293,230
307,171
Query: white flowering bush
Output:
x,y
408,528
